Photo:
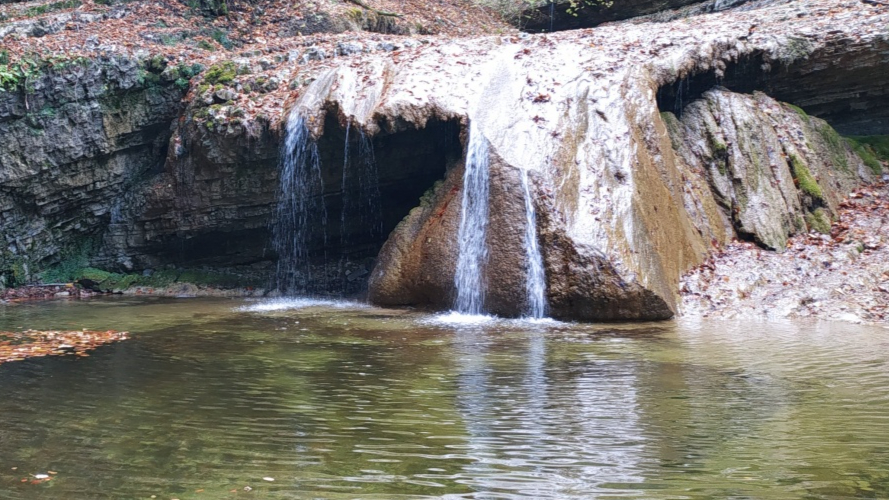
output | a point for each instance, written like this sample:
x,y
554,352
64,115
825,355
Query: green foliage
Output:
x,y
69,267
204,44
188,72
19,75
802,175
156,64
221,73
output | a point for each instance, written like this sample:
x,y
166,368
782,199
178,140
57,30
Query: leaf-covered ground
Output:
x,y
843,275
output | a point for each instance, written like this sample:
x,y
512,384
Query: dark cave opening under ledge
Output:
x,y
407,163
849,91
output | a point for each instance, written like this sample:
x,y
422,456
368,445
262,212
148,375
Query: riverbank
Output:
x,y
843,275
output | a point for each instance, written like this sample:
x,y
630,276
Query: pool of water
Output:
x,y
338,400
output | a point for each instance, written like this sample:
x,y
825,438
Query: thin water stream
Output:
x,y
469,278
337,400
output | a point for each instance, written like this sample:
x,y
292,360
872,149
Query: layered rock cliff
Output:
x,y
78,137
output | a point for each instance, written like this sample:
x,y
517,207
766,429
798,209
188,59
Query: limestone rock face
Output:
x,y
638,166
73,147
210,206
769,166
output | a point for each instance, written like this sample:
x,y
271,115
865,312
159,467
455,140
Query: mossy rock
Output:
x,y
835,144
798,110
818,220
222,73
873,150
803,176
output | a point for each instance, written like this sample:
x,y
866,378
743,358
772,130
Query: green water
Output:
x,y
348,402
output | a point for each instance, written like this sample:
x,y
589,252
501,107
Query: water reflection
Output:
x,y
517,433
339,402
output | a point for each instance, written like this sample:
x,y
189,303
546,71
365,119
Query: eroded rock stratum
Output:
x,y
647,146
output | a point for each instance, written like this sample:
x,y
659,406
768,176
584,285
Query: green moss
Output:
x,y
222,73
818,221
20,272
221,37
873,150
804,178
148,79
156,64
800,111
835,144
91,273
73,260
204,44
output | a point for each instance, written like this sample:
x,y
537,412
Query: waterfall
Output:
x,y
472,247
369,202
360,194
344,186
300,215
535,283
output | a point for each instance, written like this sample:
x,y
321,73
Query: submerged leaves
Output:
x,y
16,346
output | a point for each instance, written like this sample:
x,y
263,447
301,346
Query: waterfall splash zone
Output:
x,y
535,284
471,237
301,216
287,304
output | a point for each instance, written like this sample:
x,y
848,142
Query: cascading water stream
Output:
x,y
471,237
535,283
344,186
360,194
300,214
369,202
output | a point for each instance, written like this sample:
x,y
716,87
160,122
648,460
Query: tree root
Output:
x,y
361,4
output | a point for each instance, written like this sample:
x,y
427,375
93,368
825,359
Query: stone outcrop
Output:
x,y
774,170
76,139
210,205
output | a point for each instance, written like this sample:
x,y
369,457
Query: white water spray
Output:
x,y
535,283
471,238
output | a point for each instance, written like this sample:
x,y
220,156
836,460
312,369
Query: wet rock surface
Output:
x,y
842,275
